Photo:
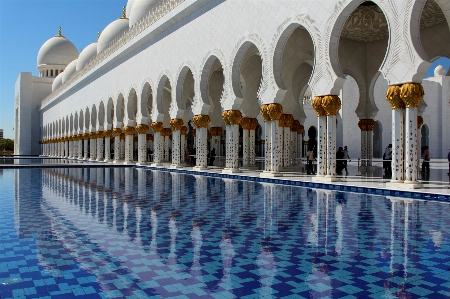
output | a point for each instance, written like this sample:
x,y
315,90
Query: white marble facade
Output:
x,y
176,59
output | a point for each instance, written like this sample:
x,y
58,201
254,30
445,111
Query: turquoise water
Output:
x,y
136,233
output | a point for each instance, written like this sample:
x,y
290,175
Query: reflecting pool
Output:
x,y
136,233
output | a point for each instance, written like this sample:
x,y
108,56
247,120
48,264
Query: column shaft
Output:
x,y
129,140
397,146
142,148
331,146
245,147
117,149
411,154
107,149
321,146
251,152
93,148
100,149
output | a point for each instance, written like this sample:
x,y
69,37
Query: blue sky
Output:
x,y
26,24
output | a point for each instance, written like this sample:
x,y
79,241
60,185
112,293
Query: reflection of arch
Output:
x,y
378,140
425,137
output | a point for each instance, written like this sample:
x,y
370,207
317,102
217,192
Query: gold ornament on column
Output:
x,y
286,120
122,136
393,97
93,135
157,126
128,130
142,128
362,124
166,132
86,136
317,105
370,124
100,134
253,124
245,123
149,137
419,121
225,117
233,116
264,110
176,124
117,132
411,94
201,121
275,111
194,132
107,133
183,130
331,104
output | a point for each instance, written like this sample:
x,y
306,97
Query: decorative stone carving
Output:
x,y
393,97
176,124
201,121
157,126
411,94
142,128
331,104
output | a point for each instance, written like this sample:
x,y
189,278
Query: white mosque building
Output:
x,y
247,79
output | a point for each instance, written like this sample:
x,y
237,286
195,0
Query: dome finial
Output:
x,y
124,13
59,32
98,35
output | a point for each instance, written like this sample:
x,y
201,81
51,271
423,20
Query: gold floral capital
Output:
x,y
93,135
286,120
107,133
176,124
86,136
128,130
331,104
265,112
149,137
166,132
411,94
275,111
232,117
393,97
142,128
157,126
317,105
100,134
201,121
117,131
122,136
215,131
183,130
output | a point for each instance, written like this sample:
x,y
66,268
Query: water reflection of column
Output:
x,y
227,252
231,202
201,191
395,202
129,173
157,186
92,190
197,241
142,184
176,190
173,230
339,228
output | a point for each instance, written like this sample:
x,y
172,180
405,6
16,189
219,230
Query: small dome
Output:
x,y
57,82
57,51
129,6
141,8
439,71
87,54
111,31
69,71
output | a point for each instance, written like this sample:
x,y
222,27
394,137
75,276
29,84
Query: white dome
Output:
x,y
111,31
69,71
439,71
87,54
57,51
129,6
141,8
57,82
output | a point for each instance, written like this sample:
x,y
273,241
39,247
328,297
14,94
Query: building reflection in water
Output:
x,y
177,226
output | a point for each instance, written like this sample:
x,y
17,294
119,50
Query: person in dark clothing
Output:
x,y
339,160
212,157
194,157
448,158
426,160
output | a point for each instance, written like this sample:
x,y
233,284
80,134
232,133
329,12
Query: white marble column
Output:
x,y
293,147
142,130
86,146
177,150
129,141
157,144
107,135
321,146
80,146
183,144
93,146
122,147
363,143
70,147
397,146
331,146
245,147
273,146
166,147
252,150
100,147
117,132
201,122
411,155
232,118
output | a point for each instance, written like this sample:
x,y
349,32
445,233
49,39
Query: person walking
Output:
x,y
426,160
387,157
212,157
339,160
346,158
448,158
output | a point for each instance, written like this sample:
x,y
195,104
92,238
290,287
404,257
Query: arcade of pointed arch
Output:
x,y
264,60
